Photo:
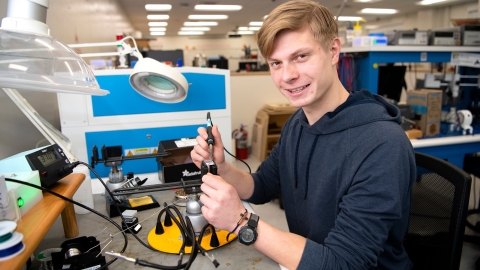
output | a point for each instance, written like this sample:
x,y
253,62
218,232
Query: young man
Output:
x,y
343,164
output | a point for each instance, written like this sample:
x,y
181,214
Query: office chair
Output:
x,y
438,211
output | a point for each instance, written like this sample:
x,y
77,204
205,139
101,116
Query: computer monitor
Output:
x,y
391,80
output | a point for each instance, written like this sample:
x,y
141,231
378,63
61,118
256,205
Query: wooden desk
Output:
x,y
36,222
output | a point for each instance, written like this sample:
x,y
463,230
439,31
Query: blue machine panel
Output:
x,y
132,139
206,92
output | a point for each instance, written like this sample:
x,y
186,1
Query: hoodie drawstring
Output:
x,y
308,165
295,167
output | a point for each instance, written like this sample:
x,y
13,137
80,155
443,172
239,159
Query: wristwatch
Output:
x,y
248,234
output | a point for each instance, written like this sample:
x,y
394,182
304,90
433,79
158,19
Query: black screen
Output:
x,y
391,80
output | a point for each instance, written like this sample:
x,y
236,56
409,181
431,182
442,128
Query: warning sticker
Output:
x,y
139,151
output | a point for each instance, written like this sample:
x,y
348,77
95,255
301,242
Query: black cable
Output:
x,y
249,170
81,205
116,205
123,220
194,253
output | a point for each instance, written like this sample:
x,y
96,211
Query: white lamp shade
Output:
x,y
38,62
159,82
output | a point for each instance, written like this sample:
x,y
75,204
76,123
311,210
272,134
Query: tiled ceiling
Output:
x,y
254,10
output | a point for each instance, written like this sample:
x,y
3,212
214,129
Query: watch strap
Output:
x,y
253,221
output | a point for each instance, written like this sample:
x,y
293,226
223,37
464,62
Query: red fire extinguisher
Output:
x,y
241,136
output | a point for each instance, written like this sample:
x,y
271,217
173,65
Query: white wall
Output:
x,y
249,94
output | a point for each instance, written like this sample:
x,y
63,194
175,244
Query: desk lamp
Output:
x,y
150,78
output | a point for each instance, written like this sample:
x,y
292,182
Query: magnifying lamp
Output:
x,y
150,78
30,59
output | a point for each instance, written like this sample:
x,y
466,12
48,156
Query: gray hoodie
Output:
x,y
346,184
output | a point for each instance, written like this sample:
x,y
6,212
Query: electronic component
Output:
x,y
445,38
79,253
409,37
131,221
208,166
470,35
49,161
22,197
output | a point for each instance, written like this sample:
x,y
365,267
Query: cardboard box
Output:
x,y
178,164
428,104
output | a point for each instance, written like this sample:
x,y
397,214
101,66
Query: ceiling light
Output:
x,y
244,28
195,29
378,11
349,18
218,7
190,33
158,7
157,24
245,32
157,33
207,17
157,29
200,23
158,17
255,23
429,2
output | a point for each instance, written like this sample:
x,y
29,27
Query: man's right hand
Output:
x,y
201,152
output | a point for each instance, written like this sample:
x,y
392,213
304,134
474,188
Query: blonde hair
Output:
x,y
295,15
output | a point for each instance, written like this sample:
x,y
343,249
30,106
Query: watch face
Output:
x,y
247,235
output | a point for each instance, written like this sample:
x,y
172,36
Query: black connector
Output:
x,y
67,168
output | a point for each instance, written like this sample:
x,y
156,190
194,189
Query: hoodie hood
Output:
x,y
360,108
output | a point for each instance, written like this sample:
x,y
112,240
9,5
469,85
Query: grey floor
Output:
x,y
269,212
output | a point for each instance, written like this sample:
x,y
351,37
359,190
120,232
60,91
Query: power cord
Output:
x,y
182,225
249,170
80,205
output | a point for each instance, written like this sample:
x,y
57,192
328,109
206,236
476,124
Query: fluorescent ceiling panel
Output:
x,y
378,11
157,24
195,29
190,33
200,23
218,7
158,17
207,17
158,7
158,29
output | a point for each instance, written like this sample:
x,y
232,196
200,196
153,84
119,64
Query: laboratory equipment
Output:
x,y
409,37
445,38
113,157
470,35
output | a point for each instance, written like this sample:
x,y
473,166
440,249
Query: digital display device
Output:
x,y
49,162
48,158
